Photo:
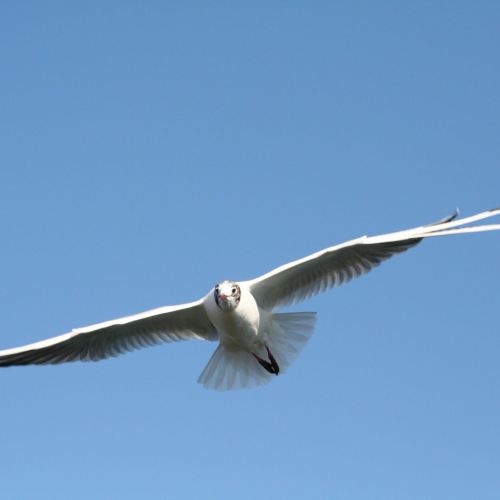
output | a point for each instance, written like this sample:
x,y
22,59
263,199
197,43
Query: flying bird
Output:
x,y
255,342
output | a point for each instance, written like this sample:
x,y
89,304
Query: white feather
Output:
x,y
235,369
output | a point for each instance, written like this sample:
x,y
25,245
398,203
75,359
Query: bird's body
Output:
x,y
255,342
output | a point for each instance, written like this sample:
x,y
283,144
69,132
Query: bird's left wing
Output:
x,y
333,266
115,337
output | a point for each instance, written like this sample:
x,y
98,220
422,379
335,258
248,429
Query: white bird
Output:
x,y
255,343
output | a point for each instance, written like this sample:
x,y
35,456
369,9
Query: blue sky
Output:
x,y
151,149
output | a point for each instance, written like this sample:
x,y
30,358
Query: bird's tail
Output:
x,y
229,369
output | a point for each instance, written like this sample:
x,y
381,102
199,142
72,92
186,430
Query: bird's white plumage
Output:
x,y
112,338
338,264
255,342
230,369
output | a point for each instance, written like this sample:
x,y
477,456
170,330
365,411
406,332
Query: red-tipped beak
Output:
x,y
222,296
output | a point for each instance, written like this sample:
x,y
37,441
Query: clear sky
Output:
x,y
151,149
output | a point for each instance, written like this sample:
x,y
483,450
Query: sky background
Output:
x,y
151,149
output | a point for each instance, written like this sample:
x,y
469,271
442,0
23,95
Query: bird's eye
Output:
x,y
216,288
233,290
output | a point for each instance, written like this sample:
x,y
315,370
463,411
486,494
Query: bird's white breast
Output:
x,y
239,328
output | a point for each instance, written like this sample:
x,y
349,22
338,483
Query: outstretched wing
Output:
x,y
333,266
112,338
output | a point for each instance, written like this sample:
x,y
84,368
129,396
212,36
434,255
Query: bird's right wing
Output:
x,y
338,264
115,337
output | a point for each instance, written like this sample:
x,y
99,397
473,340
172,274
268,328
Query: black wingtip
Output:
x,y
448,218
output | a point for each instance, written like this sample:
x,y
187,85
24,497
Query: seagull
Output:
x,y
255,342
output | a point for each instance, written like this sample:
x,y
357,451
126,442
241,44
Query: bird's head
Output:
x,y
227,295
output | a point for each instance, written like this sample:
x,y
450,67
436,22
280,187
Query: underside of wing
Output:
x,y
336,265
112,338
322,271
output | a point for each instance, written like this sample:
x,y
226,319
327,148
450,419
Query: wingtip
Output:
x,y
448,218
